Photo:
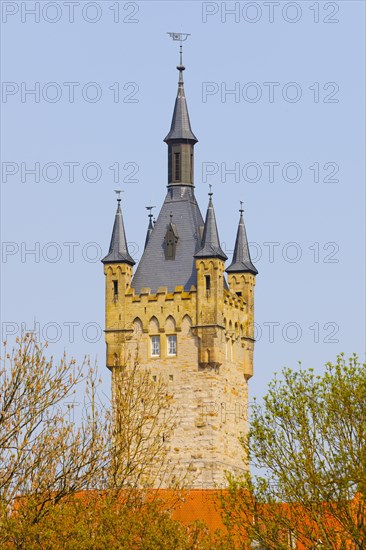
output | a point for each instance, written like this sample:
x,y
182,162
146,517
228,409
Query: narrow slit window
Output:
x,y
208,282
115,289
177,166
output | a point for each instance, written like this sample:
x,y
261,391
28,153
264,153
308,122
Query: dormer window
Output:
x,y
171,240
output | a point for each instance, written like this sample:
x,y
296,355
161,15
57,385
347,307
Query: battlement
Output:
x,y
233,300
160,295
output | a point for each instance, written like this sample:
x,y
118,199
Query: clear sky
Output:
x,y
288,141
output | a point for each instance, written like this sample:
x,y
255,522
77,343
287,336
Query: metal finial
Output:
x,y
118,193
241,207
181,37
149,208
210,192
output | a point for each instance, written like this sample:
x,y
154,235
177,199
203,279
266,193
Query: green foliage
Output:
x,y
97,521
65,486
308,439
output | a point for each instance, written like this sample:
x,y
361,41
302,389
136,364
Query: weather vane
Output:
x,y
241,207
210,193
181,37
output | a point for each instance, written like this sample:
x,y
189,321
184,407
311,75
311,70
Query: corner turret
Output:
x,y
210,260
118,266
241,274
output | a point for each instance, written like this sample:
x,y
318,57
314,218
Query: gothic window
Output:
x,y
171,240
155,346
172,344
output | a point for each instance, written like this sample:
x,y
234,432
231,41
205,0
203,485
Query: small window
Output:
x,y
172,344
154,378
177,166
155,346
115,288
208,282
171,377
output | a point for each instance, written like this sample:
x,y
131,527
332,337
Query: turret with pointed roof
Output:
x,y
242,262
118,248
210,240
180,139
150,227
168,257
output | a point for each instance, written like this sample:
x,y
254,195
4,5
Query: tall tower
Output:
x,y
188,323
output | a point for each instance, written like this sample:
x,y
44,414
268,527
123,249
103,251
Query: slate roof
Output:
x,y
118,249
210,240
149,231
242,262
153,271
180,128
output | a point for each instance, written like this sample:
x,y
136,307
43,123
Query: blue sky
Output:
x,y
292,130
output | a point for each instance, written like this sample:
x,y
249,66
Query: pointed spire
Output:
x,y
210,240
180,128
118,249
242,262
150,226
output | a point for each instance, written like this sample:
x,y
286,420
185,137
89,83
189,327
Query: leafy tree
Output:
x,y
43,454
307,440
47,459
97,520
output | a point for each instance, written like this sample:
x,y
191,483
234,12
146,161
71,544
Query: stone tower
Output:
x,y
190,324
